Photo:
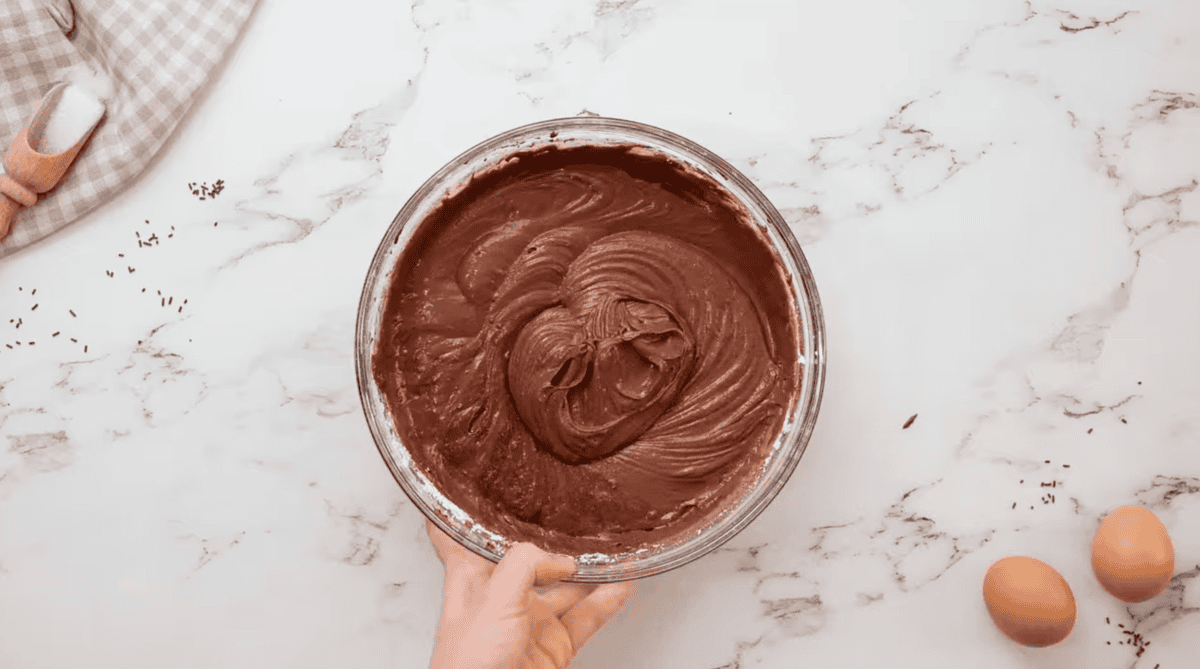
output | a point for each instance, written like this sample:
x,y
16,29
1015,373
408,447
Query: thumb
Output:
x,y
523,565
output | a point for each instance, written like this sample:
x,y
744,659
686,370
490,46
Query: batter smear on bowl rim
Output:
x,y
589,347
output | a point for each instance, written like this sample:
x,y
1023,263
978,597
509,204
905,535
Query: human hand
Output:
x,y
493,618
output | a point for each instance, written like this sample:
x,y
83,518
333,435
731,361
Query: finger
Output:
x,y
563,596
450,552
585,618
552,640
535,658
522,566
442,543
465,587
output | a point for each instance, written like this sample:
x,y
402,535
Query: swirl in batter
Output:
x,y
590,348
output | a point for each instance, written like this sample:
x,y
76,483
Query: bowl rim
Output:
x,y
794,437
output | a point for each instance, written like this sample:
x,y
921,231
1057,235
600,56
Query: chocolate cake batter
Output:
x,y
590,348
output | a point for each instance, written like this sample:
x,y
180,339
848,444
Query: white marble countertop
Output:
x,y
1000,202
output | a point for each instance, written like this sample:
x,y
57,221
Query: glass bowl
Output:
x,y
739,509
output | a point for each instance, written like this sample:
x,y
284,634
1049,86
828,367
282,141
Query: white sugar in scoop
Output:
x,y
42,153
76,113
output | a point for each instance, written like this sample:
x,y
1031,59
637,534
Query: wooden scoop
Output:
x,y
61,126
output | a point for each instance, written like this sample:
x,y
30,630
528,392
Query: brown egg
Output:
x,y
1132,554
1029,601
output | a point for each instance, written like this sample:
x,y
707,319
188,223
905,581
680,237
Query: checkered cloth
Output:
x,y
158,55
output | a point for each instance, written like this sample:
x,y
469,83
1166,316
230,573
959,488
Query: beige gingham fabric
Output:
x,y
157,54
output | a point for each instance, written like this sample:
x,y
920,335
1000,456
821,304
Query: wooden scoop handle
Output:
x,y
8,215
